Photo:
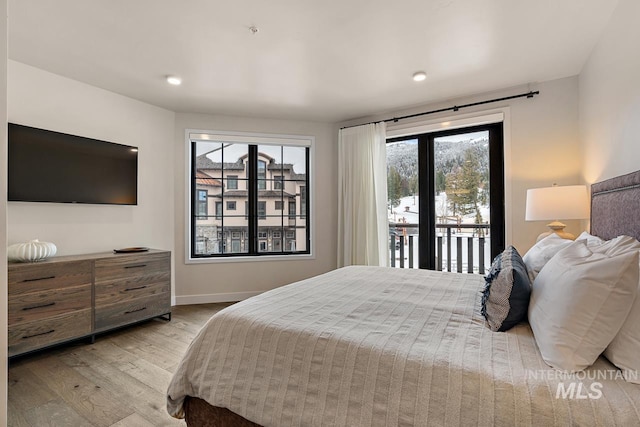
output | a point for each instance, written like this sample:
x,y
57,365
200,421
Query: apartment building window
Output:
x,y
278,182
232,182
292,209
268,175
202,207
262,175
303,201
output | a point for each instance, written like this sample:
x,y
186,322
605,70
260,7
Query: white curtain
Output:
x,y
363,229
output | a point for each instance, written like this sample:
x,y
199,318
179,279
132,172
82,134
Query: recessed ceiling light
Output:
x,y
174,80
419,76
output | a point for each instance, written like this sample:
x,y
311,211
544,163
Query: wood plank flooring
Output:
x,y
119,381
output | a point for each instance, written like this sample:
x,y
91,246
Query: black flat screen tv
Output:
x,y
47,166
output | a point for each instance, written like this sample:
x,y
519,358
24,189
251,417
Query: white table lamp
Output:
x,y
555,203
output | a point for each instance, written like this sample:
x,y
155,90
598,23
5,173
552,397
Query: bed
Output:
x,y
371,346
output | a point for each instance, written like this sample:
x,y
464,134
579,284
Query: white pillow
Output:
x,y
590,238
542,252
619,245
624,350
579,302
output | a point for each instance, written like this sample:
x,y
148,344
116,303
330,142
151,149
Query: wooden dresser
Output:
x,y
71,297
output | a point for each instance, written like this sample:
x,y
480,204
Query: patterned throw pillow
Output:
x,y
505,299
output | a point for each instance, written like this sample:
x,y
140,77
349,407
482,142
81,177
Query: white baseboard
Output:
x,y
209,298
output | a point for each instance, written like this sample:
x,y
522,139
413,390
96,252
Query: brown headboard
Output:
x,y
615,207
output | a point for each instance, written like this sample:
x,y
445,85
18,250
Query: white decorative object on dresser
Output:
x,y
33,250
72,297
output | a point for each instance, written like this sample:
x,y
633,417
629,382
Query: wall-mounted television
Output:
x,y
47,166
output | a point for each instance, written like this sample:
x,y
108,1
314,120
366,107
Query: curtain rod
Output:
x,y
529,94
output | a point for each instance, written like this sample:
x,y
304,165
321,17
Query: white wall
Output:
x,y
610,98
41,99
230,281
542,145
3,212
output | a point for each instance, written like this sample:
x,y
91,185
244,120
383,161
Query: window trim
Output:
x,y
253,139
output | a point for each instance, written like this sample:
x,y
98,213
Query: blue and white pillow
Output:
x,y
505,299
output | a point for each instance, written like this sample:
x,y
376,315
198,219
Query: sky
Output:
x,y
232,152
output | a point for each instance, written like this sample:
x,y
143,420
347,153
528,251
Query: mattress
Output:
x,y
374,346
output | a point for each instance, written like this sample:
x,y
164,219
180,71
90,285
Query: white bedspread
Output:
x,y
369,346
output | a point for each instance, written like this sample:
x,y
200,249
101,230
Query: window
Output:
x,y
202,204
278,182
262,175
303,200
232,182
292,209
257,183
443,183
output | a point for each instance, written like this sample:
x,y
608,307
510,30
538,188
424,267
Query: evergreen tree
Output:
x,y
441,181
394,186
462,185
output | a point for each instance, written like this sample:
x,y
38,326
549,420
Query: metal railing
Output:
x,y
459,247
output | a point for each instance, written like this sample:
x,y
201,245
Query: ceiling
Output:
x,y
313,60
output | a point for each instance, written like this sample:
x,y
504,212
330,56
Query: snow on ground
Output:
x,y
408,212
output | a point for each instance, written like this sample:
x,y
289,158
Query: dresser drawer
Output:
x,y
39,305
46,276
122,291
28,336
114,315
132,265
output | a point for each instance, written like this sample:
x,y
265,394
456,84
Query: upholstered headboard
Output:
x,y
615,207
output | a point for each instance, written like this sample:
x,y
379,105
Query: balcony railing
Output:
x,y
462,248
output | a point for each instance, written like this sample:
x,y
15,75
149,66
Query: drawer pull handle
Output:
x,y
38,306
39,278
135,266
37,335
135,289
135,311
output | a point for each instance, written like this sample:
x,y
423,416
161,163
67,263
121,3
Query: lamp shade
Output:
x,y
557,203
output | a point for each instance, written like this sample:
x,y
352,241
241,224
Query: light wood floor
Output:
x,y
120,380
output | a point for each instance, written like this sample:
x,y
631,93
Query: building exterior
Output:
x,y
222,206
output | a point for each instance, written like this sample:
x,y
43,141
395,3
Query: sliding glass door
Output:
x,y
446,199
